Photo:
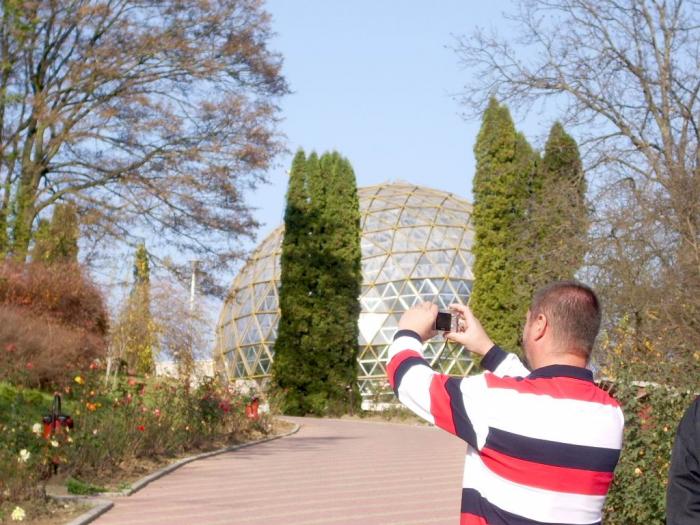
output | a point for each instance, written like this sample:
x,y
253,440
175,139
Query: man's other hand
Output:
x,y
420,319
470,334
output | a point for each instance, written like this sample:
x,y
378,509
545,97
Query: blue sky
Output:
x,y
376,80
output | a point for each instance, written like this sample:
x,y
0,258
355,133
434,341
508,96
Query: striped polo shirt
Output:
x,y
542,445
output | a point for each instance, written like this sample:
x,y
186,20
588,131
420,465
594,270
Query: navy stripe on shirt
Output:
x,y
463,425
403,368
474,503
554,453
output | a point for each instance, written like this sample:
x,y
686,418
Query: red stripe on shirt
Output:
x,y
548,477
466,518
396,361
440,406
560,388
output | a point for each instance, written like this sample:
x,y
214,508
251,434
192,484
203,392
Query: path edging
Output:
x,y
101,505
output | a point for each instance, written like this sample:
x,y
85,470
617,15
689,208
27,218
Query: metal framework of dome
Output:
x,y
416,246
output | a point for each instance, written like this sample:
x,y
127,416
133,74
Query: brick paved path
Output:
x,y
330,472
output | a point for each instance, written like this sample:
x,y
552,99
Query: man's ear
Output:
x,y
539,327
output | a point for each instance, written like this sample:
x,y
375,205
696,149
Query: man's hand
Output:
x,y
420,319
470,334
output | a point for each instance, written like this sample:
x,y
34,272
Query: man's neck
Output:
x,y
559,359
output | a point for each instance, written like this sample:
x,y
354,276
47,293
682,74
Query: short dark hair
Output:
x,y
573,311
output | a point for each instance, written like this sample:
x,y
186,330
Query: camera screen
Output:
x,y
443,322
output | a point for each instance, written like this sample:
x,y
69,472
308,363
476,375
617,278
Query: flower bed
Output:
x,y
119,427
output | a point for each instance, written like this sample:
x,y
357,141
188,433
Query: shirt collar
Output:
x,y
550,371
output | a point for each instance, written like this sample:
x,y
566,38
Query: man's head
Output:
x,y
564,318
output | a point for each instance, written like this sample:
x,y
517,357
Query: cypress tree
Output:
x,y
291,368
137,320
57,241
339,285
504,169
559,220
315,366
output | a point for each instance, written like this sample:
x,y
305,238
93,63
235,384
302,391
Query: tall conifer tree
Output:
x,y
339,285
315,366
504,169
57,241
291,366
136,319
559,219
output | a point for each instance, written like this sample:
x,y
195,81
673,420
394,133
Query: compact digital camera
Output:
x,y
446,322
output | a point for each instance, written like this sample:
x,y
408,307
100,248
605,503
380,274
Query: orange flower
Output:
x,y
91,406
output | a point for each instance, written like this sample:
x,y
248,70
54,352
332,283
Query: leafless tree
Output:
x,y
153,117
624,76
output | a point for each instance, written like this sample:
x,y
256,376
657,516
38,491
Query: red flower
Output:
x,y
141,428
30,365
10,347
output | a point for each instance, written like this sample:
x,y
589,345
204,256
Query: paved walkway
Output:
x,y
330,472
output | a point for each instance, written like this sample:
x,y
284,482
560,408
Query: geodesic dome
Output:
x,y
416,246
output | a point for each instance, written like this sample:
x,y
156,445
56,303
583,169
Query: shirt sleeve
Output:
x,y
454,404
502,363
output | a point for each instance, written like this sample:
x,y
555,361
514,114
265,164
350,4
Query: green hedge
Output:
x,y
652,414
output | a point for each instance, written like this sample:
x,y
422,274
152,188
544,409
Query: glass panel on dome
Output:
x,y
264,365
406,262
372,368
251,354
419,236
372,223
381,339
269,303
444,300
368,324
437,239
383,352
459,268
388,290
453,236
387,218
259,292
424,267
388,333
267,269
240,370
265,321
442,262
241,326
369,304
369,248
408,301
449,217
467,240
252,335
380,370
424,215
371,267
390,272
426,288
408,218
365,367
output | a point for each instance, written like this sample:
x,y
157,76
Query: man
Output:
x,y
543,444
683,494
